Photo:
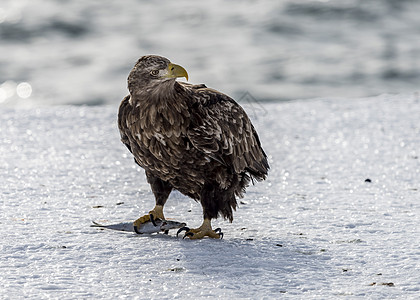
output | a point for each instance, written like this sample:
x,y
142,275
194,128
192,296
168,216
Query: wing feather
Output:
x,y
214,124
220,128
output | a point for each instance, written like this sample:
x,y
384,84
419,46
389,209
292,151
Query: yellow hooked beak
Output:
x,y
175,71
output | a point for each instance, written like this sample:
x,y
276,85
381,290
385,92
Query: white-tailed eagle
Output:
x,y
190,138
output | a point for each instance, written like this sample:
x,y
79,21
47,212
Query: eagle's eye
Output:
x,y
154,72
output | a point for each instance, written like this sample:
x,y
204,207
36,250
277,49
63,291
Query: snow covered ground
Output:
x,y
317,228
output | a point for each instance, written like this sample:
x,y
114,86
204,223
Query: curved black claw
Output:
x,y
189,233
136,230
181,230
152,219
219,232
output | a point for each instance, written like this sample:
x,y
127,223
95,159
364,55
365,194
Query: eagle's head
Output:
x,y
152,72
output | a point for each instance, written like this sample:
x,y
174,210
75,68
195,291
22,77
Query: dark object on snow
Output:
x,y
383,283
368,180
190,138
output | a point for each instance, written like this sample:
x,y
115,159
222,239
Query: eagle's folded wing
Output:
x,y
221,129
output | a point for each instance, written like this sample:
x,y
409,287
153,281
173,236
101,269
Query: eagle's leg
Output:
x,y
204,230
212,200
161,189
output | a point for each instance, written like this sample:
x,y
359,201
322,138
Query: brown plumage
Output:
x,y
189,137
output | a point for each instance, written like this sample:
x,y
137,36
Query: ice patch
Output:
x,y
314,229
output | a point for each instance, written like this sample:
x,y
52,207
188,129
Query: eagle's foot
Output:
x,y
155,213
201,232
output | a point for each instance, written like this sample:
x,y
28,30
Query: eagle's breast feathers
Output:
x,y
191,134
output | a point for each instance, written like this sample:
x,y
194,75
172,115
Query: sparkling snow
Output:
x,y
338,217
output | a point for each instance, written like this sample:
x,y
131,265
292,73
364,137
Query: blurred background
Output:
x,y
55,52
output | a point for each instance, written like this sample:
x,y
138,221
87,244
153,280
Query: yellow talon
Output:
x,y
141,220
156,212
201,234
202,231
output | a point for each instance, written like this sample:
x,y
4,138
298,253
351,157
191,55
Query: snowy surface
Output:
x,y
314,229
